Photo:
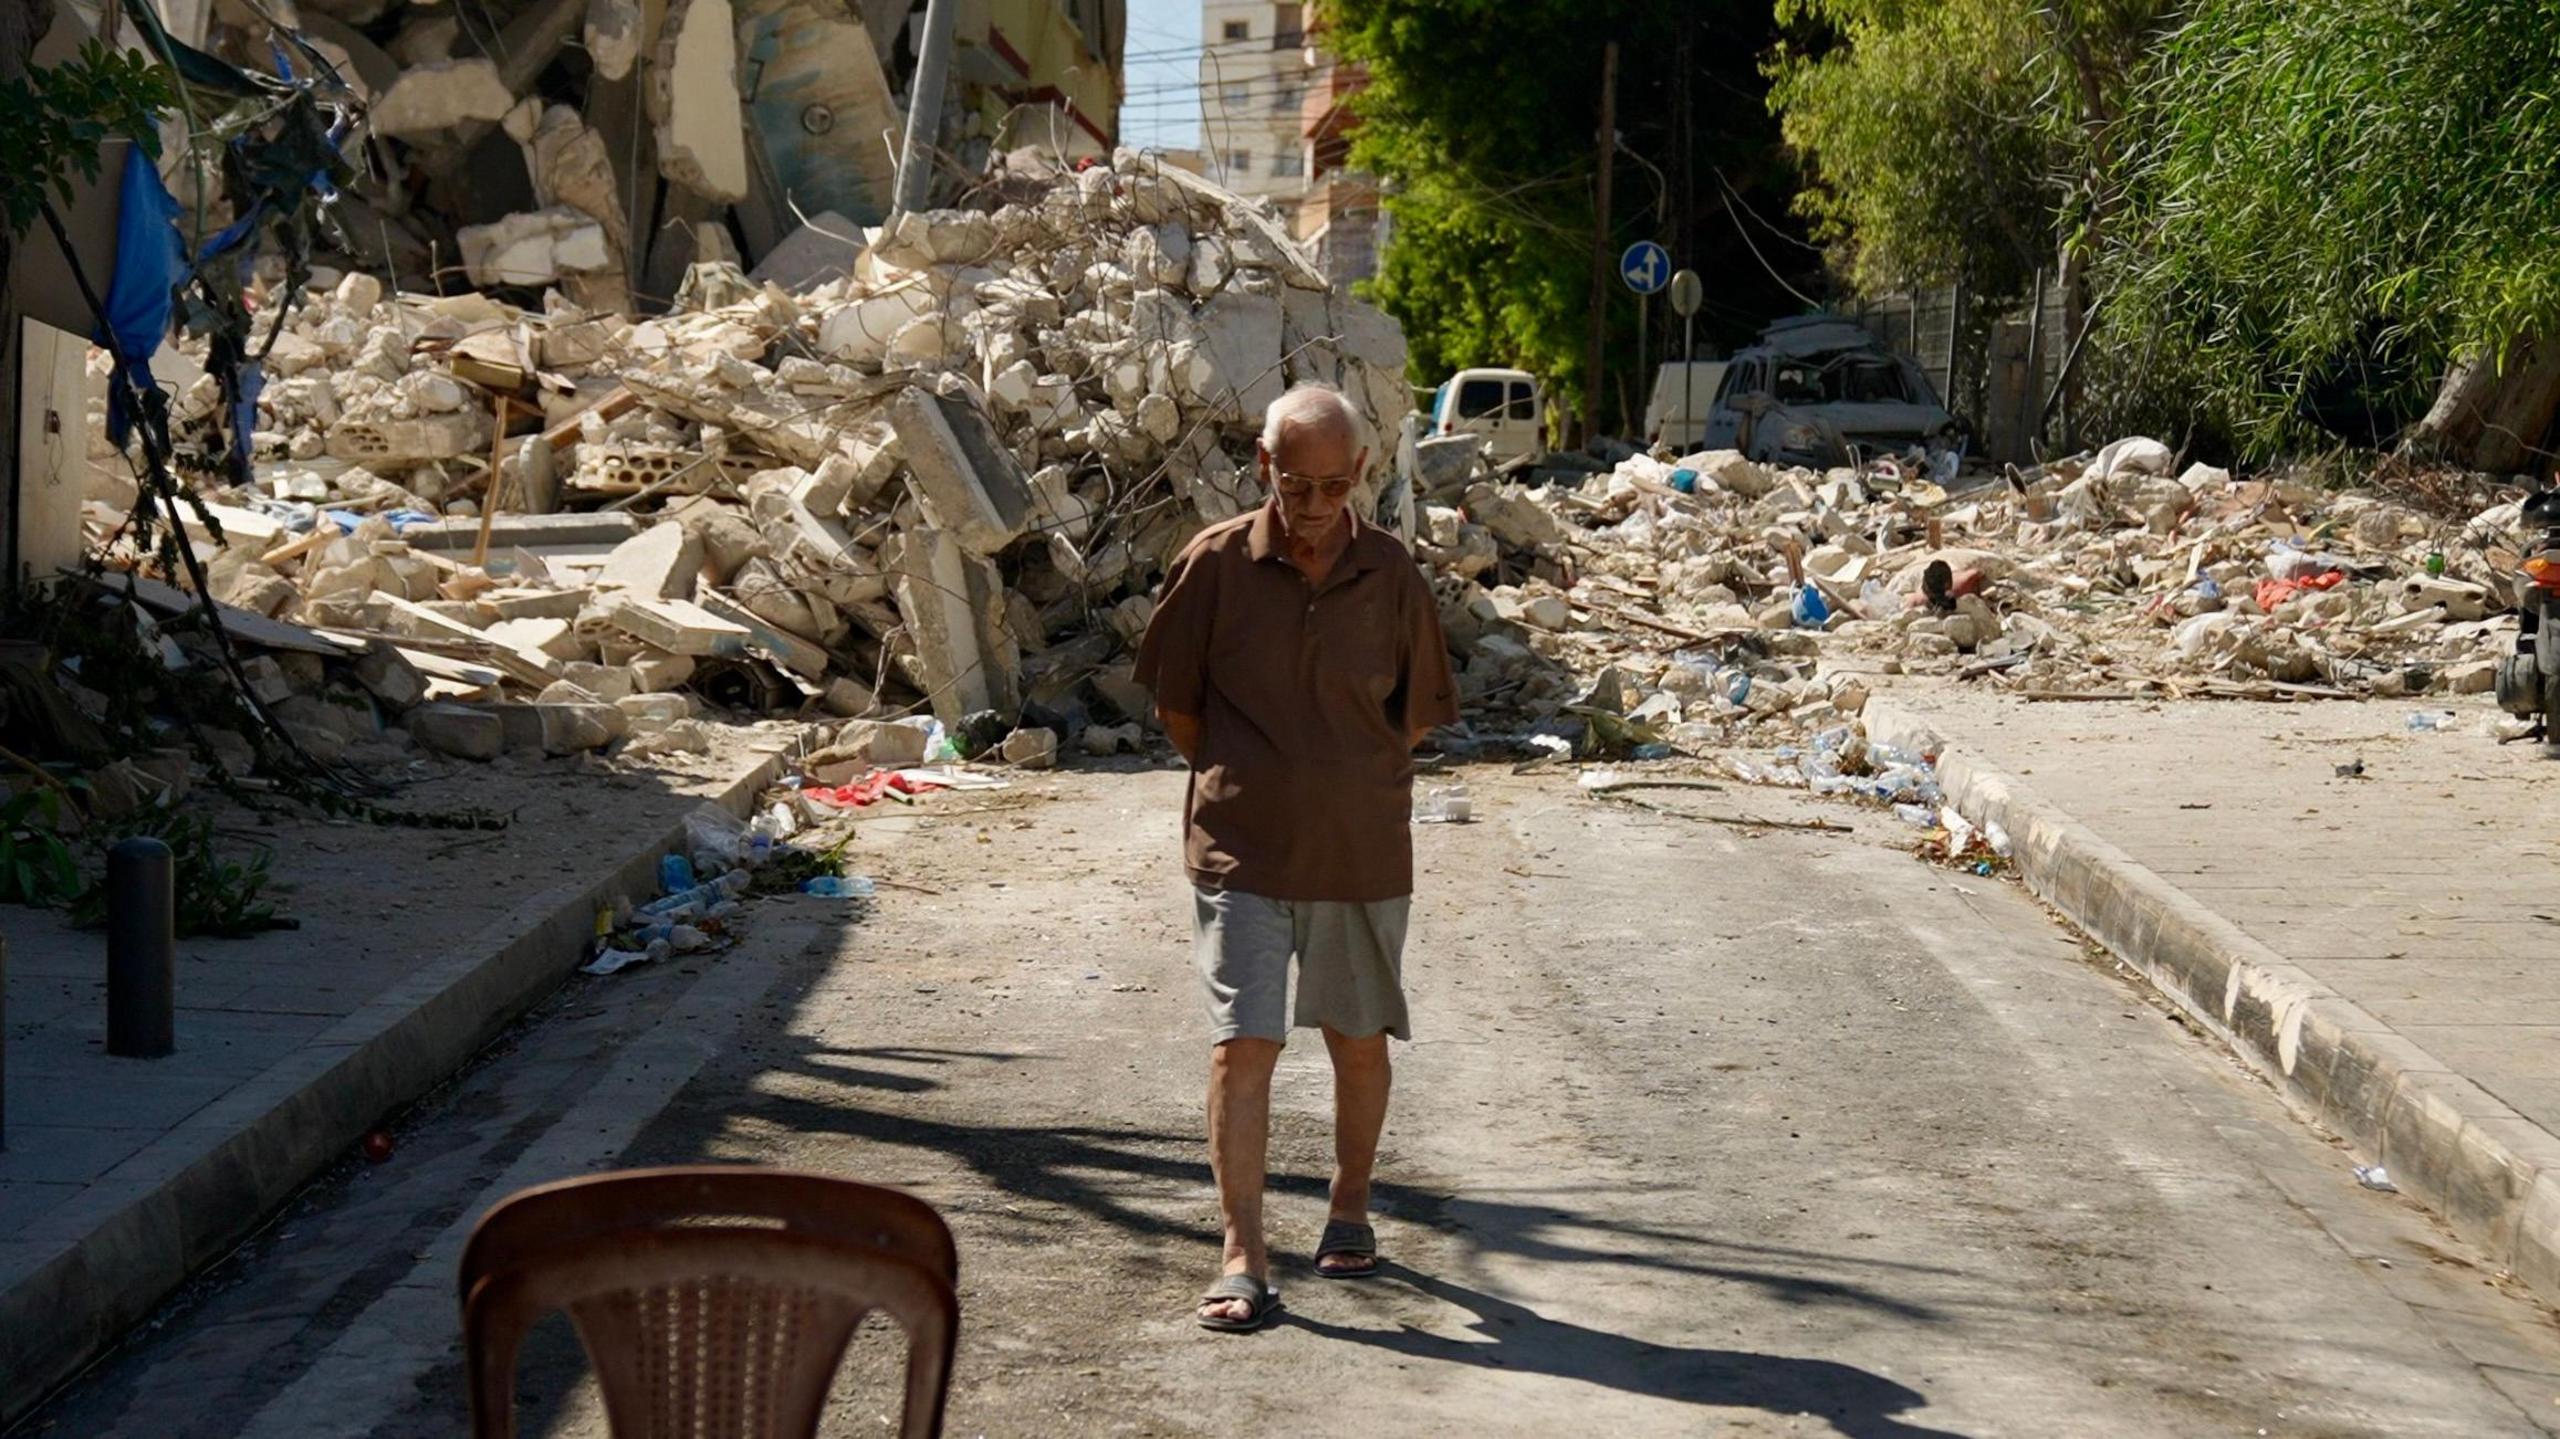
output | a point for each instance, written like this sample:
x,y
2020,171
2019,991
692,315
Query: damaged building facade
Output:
x,y
603,146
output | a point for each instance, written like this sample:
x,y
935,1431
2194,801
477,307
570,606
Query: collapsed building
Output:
x,y
942,480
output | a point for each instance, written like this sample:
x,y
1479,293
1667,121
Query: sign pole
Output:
x,y
1644,376
1688,292
1689,375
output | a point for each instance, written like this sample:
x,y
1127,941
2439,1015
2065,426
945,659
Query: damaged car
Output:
x,y
1819,391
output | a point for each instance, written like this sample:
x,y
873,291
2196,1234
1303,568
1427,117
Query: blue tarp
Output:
x,y
151,262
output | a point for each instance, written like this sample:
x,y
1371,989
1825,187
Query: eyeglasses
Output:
x,y
1298,487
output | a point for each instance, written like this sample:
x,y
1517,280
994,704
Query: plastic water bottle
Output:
x,y
2432,721
699,898
839,886
1810,611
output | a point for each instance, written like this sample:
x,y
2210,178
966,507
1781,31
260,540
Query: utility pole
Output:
x,y
1684,176
924,110
1592,356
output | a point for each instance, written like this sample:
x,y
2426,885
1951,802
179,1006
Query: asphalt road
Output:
x,y
1704,1131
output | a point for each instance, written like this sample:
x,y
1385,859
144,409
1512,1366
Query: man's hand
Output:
x,y
1184,731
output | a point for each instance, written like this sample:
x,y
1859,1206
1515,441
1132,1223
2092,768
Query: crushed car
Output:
x,y
1819,390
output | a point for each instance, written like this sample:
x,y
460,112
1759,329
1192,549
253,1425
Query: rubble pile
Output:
x,y
1688,597
943,478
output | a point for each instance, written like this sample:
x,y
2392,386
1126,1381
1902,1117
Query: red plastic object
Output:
x,y
870,789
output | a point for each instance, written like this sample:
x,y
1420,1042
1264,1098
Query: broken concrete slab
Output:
x,y
772,641
952,602
968,483
677,627
663,562
824,248
527,532
460,731
441,94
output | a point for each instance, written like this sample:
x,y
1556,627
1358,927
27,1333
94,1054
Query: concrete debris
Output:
x,y
1718,594
934,472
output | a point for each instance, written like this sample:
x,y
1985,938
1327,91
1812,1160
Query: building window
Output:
x,y
1239,162
1288,32
1237,30
1288,163
1288,98
1235,97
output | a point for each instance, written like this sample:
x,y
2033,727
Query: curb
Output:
x,y
207,1183
2488,1171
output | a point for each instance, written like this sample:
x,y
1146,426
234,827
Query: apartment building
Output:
x,y
1254,81
1273,124
1339,218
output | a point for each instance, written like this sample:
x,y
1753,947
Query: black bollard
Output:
x,y
142,949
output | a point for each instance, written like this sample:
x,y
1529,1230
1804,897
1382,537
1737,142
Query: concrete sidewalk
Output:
x,y
416,946
2384,946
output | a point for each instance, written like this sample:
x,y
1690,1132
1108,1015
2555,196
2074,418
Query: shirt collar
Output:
x,y
1262,538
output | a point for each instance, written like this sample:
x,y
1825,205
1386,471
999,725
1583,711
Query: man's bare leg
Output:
x,y
1239,1149
1362,1075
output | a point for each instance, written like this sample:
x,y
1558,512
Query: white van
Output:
x,y
1684,394
1504,406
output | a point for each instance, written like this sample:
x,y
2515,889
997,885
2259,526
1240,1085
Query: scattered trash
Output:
x,y
2432,721
1446,804
2374,1176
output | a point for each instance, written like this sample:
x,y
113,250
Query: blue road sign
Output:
x,y
1646,267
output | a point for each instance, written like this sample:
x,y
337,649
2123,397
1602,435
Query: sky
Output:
x,y
1162,67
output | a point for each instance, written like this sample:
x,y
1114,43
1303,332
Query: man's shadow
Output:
x,y
1858,1404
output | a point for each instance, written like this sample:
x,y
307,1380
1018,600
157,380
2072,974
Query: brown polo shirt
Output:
x,y
1308,696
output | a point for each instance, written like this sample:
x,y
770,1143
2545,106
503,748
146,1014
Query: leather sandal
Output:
x,y
1249,1288
1351,1240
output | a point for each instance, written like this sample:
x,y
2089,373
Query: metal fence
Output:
x,y
1999,371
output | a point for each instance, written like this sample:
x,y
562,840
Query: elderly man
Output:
x,y
1296,659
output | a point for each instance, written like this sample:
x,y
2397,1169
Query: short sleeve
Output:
x,y
1173,655
1427,691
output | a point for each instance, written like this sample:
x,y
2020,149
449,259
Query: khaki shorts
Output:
x,y
1350,964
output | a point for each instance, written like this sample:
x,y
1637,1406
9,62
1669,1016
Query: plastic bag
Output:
x,y
715,839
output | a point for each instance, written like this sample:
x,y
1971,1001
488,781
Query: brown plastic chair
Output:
x,y
714,1302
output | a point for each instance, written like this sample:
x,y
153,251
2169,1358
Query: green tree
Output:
x,y
2346,197
1961,141
1481,122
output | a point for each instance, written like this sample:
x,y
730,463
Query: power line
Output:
x,y
1745,232
1756,215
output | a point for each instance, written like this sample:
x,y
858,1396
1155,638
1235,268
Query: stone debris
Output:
x,y
938,478
1674,604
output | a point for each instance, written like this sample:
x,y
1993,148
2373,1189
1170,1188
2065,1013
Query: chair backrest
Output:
x,y
713,1300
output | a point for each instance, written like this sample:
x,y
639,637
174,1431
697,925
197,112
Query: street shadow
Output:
x,y
1518,1339
1089,1169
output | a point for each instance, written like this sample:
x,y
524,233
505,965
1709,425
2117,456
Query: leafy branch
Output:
x,y
55,122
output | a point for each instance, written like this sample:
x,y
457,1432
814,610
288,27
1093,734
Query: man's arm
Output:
x,y
1184,731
